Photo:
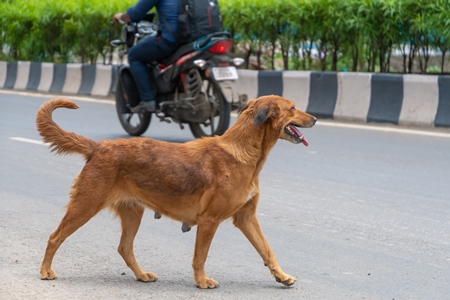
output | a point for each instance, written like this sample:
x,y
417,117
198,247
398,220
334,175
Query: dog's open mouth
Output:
x,y
291,130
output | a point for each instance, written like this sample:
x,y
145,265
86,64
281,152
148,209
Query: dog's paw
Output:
x,y
48,274
147,277
287,282
207,283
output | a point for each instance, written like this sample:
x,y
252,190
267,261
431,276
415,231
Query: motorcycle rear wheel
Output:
x,y
134,124
219,120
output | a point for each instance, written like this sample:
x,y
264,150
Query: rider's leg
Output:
x,y
146,51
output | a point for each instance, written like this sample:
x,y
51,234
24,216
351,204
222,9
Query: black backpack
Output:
x,y
196,19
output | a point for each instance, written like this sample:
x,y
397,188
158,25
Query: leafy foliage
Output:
x,y
324,34
358,35
58,31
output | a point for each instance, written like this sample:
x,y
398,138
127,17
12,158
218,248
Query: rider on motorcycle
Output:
x,y
153,48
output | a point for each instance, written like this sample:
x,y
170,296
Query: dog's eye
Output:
x,y
293,108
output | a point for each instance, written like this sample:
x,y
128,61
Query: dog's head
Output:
x,y
281,114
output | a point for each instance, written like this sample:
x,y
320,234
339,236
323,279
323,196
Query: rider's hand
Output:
x,y
121,18
116,18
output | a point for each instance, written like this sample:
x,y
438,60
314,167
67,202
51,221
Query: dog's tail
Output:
x,y
61,141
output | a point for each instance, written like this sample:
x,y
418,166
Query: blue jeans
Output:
x,y
146,51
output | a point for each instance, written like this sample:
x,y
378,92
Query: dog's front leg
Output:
x,y
245,219
206,228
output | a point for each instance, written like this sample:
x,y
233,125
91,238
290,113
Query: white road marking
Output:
x,y
25,140
385,129
444,132
52,96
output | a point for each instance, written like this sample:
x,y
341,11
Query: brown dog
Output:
x,y
202,182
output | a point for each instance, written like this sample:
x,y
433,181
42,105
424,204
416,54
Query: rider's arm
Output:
x,y
138,12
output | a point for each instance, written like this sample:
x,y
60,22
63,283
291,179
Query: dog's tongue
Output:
x,y
304,141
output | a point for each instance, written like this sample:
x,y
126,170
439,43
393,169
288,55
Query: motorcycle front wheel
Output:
x,y
219,119
135,124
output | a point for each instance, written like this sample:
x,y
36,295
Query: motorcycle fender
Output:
x,y
227,88
229,91
128,85
123,68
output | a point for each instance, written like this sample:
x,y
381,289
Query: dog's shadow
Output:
x,y
165,138
174,285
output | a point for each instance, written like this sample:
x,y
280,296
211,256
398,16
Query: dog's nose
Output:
x,y
315,120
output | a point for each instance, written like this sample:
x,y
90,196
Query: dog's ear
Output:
x,y
265,113
262,115
245,106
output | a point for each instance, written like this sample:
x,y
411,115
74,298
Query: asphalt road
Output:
x,y
362,213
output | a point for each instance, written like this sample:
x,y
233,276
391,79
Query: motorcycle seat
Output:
x,y
182,50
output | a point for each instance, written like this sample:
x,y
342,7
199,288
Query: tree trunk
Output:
x,y
247,57
381,58
258,54
355,57
305,56
296,56
334,60
412,54
272,55
404,63
388,61
285,54
309,54
426,58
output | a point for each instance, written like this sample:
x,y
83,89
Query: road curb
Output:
x,y
418,100
71,79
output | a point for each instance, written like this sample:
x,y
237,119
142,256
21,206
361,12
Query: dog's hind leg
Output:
x,y
245,219
130,216
77,215
206,228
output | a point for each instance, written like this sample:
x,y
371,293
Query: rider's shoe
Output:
x,y
144,106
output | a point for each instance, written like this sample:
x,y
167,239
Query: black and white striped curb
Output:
x,y
421,100
80,79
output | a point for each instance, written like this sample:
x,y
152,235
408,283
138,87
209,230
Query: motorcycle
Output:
x,y
189,84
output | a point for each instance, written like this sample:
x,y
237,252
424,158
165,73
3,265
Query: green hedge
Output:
x,y
59,31
358,35
361,34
